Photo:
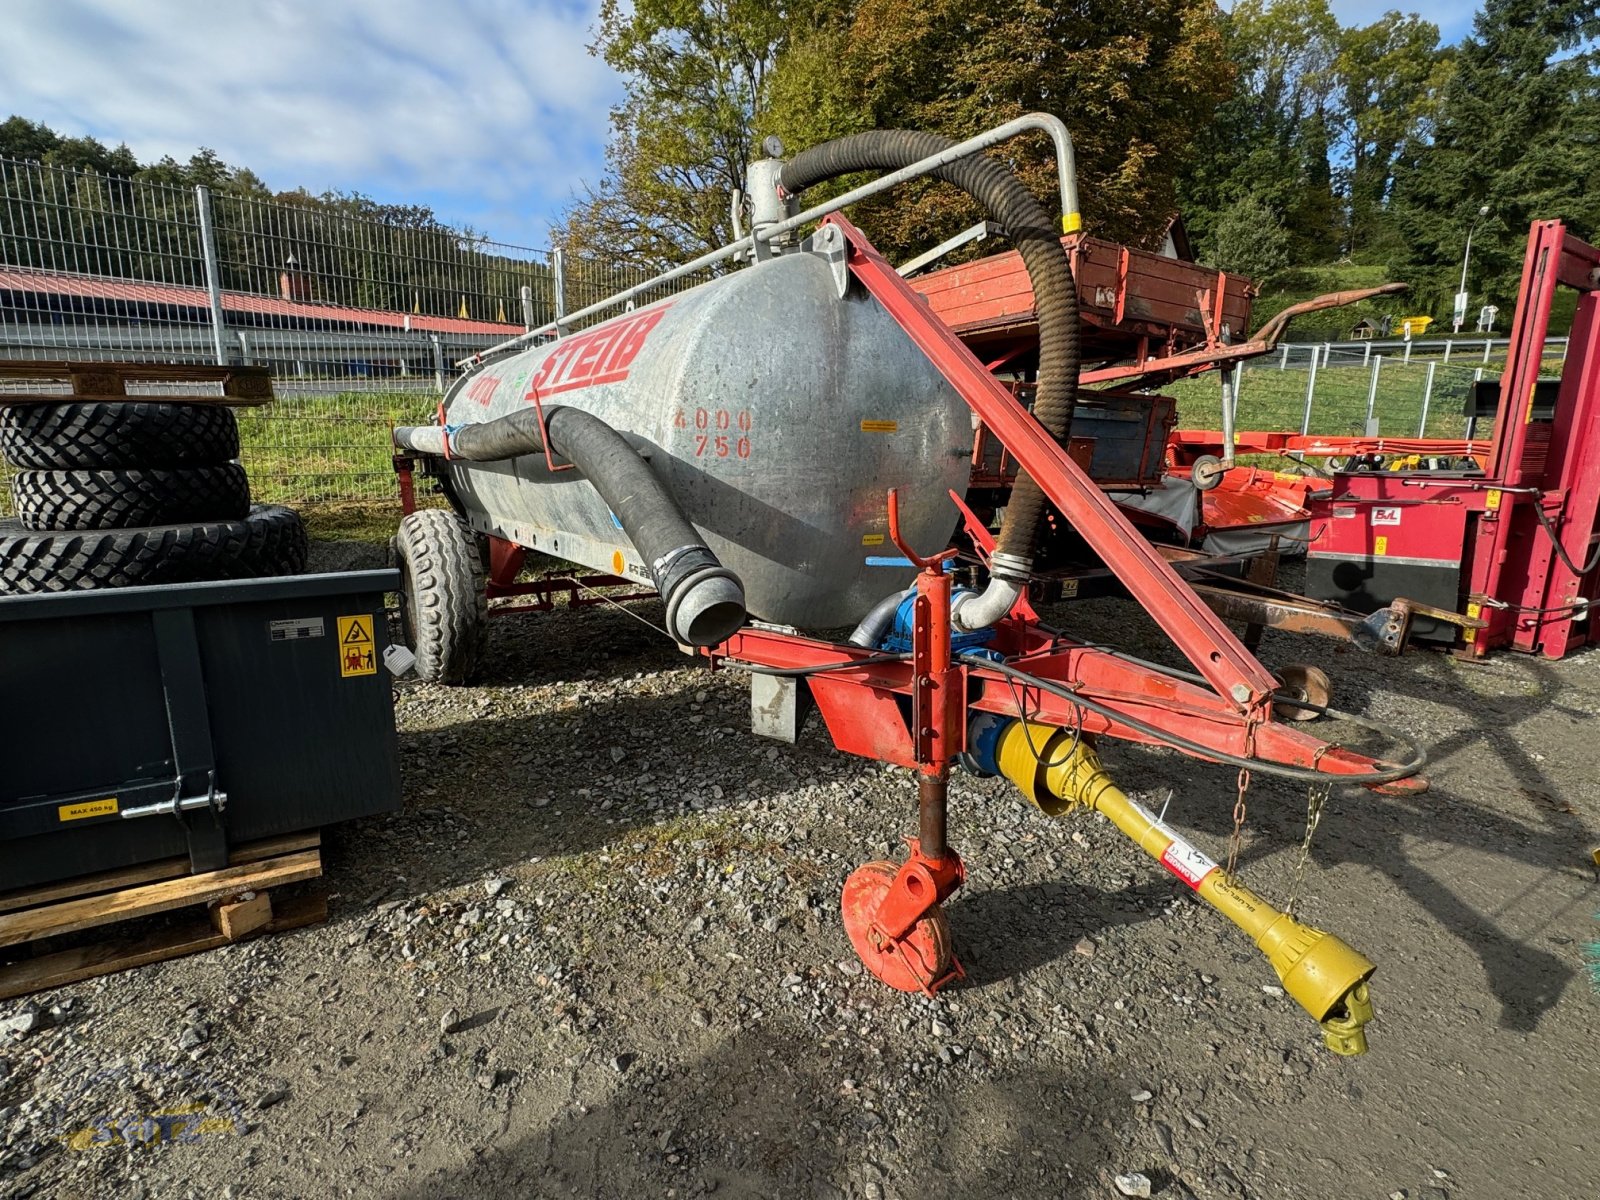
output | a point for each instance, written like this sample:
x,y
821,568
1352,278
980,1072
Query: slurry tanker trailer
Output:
x,y
784,455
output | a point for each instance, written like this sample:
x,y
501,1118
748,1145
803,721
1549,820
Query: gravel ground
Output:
x,y
599,954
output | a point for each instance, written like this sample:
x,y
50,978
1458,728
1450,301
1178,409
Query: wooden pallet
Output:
x,y
237,898
107,382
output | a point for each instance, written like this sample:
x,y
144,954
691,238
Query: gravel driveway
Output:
x,y
599,954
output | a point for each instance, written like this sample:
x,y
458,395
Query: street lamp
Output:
x,y
1466,257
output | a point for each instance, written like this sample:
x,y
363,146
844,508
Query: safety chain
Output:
x,y
1316,796
1238,805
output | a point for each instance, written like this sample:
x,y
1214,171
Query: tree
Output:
x,y
1272,136
696,72
1250,239
1134,84
1390,76
1518,129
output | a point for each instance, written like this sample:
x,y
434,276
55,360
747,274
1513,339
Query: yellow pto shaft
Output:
x,y
1325,976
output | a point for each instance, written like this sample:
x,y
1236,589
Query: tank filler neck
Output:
x,y
769,203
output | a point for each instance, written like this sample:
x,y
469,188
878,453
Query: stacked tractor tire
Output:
x,y
128,493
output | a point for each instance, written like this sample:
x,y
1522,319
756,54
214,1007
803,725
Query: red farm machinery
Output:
x,y
855,487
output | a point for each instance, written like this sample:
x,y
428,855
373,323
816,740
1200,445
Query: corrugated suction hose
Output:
x,y
1006,201
705,600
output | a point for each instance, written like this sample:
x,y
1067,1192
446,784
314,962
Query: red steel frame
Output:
x,y
1513,579
1512,560
863,709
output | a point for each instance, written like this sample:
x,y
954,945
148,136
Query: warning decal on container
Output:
x,y
293,631
357,651
872,539
1187,863
88,808
1380,545
879,426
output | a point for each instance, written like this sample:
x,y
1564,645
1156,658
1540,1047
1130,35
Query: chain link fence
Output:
x,y
359,319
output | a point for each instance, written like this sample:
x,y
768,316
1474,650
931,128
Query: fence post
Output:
x,y
1283,359
1407,357
438,361
1447,344
527,308
1487,342
1327,348
1311,389
558,264
208,249
1372,394
1427,395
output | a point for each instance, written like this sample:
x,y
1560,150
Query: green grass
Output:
x,y
1274,400
325,449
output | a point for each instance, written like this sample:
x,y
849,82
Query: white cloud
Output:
x,y
487,108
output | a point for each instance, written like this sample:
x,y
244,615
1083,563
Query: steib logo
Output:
x,y
120,1108
599,355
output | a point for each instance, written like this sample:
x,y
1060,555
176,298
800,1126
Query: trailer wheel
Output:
x,y
1207,472
270,541
444,616
64,437
49,500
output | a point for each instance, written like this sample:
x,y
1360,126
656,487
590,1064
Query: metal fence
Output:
x,y
360,319
1416,388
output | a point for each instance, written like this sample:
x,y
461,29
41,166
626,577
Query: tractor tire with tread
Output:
x,y
54,500
444,614
271,540
65,437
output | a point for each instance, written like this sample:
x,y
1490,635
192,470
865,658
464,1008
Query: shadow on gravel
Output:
x,y
1011,931
757,1119
511,761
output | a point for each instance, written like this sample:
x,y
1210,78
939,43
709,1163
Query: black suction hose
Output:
x,y
1009,203
705,600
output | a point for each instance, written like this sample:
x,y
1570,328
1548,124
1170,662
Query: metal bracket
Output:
x,y
189,723
828,243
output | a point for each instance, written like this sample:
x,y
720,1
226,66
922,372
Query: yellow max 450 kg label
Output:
x,y
88,808
358,652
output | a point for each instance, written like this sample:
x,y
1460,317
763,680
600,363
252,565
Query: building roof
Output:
x,y
90,287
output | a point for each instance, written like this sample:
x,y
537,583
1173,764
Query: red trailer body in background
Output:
x,y
1512,545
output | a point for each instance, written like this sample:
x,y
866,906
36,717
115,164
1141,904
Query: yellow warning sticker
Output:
x,y
1069,588
879,426
358,653
1380,545
1491,499
872,539
88,808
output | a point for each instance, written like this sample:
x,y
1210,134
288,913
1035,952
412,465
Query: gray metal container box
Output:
x,y
146,723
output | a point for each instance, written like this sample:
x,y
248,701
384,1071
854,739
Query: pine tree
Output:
x,y
1519,131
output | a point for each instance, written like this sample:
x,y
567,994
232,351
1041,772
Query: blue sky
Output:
x,y
491,111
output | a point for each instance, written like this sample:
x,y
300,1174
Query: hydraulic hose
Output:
x,y
877,621
705,600
1008,202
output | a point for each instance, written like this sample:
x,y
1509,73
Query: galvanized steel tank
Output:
x,y
779,412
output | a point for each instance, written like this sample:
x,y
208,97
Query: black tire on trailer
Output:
x,y
130,499
65,437
444,615
271,540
